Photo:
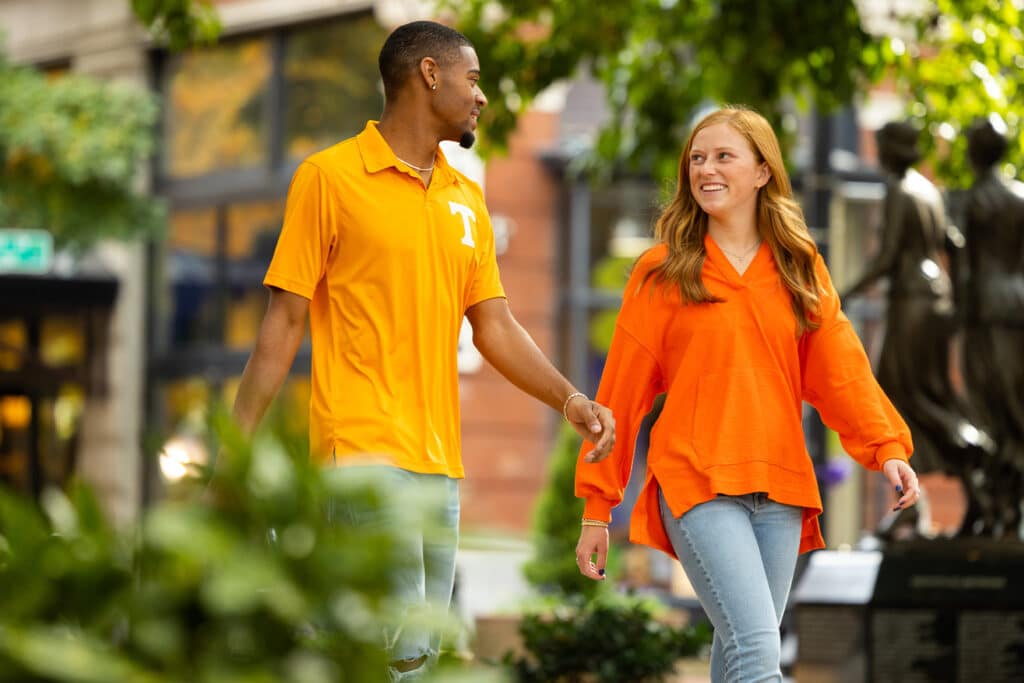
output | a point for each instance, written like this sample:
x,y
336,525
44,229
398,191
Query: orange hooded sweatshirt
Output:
x,y
735,376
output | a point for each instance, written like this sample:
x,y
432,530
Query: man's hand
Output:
x,y
593,541
592,420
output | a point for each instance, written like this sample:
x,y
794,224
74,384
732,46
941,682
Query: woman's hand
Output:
x,y
904,480
593,541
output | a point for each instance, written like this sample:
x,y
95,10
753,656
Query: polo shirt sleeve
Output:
x,y
631,379
307,235
838,381
486,280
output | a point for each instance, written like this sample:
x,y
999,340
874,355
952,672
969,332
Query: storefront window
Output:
x,y
238,118
332,83
252,231
59,422
15,441
192,256
13,343
62,341
217,117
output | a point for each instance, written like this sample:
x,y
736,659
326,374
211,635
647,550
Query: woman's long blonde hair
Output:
x,y
683,225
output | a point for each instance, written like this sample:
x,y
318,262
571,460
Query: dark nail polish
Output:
x,y
897,508
601,572
899,489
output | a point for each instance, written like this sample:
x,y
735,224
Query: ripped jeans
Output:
x,y
425,584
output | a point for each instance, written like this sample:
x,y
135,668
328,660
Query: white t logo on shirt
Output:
x,y
467,216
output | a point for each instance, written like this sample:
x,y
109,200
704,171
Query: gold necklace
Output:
x,y
421,169
745,255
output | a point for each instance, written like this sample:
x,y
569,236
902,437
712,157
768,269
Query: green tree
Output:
x,y
962,60
660,60
556,526
70,150
180,23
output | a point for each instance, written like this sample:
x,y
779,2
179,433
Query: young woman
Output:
x,y
733,316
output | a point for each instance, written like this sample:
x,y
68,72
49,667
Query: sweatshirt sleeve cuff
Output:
x,y
890,451
597,509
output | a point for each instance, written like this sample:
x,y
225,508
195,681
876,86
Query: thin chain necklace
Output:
x,y
746,254
421,169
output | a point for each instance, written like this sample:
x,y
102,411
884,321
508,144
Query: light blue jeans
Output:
x,y
424,585
739,553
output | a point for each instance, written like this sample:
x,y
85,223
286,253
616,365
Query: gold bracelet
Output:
x,y
594,522
565,406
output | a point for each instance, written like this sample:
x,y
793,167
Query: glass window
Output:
x,y
622,222
252,236
332,82
186,402
192,263
59,422
62,341
853,239
13,344
15,441
216,117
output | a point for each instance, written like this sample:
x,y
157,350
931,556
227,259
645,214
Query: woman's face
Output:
x,y
725,174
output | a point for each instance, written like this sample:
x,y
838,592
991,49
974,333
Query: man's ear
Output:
x,y
429,72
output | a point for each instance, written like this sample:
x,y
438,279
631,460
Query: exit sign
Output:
x,y
25,251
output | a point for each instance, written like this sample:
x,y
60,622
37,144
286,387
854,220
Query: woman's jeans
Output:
x,y
424,584
739,553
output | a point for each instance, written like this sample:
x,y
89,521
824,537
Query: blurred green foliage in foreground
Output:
x,y
245,579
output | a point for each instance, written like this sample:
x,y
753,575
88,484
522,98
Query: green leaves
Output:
x,y
610,638
69,153
557,526
58,653
660,60
964,62
259,584
181,23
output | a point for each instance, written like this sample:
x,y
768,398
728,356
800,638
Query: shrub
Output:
x,y
556,526
257,587
608,640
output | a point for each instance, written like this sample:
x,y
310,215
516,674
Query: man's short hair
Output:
x,y
408,44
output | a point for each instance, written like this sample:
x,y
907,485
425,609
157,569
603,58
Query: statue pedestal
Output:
x,y
940,611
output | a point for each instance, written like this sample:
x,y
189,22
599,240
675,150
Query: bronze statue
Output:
x,y
913,366
993,315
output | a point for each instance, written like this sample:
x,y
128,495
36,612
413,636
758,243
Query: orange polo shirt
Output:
x,y
735,376
390,267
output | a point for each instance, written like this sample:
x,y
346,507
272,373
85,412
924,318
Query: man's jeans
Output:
x,y
739,553
424,585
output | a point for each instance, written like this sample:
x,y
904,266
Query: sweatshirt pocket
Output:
x,y
744,415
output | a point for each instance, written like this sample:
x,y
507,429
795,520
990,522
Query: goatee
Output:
x,y
467,140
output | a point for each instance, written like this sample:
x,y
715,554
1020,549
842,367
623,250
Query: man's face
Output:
x,y
458,99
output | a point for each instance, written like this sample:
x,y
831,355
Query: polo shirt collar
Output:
x,y
377,154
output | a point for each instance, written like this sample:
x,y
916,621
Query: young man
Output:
x,y
388,247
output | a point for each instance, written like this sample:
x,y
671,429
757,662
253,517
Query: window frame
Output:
x,y
211,358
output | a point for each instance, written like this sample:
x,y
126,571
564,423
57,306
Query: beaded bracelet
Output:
x,y
565,406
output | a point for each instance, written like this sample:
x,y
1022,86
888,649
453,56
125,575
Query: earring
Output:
x,y
433,86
